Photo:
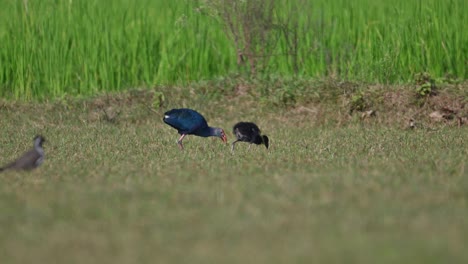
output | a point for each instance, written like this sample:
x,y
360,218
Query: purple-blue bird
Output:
x,y
190,122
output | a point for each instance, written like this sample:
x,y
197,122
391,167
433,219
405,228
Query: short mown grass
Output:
x,y
122,192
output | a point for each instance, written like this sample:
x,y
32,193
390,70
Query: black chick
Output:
x,y
249,132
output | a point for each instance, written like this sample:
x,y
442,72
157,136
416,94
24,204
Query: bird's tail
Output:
x,y
266,141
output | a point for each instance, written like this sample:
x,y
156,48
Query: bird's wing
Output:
x,y
185,121
241,136
27,161
246,129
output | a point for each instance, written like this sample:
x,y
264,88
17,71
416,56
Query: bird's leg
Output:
x,y
232,145
179,142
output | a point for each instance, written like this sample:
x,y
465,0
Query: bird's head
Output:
x,y
265,141
38,140
219,132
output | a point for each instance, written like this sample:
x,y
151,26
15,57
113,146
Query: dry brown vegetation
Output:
x,y
321,103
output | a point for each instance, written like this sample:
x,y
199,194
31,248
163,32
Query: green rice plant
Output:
x,y
57,48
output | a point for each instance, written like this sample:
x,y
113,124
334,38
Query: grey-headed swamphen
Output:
x,y
190,122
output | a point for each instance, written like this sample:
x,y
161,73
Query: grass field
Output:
x,y
58,48
338,185
120,191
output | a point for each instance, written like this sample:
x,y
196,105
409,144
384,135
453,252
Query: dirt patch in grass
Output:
x,y
404,105
390,105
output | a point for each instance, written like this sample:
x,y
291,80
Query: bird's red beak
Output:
x,y
223,137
